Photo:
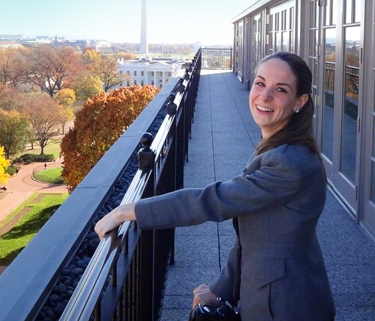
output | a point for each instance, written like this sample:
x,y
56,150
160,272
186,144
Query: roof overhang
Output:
x,y
256,4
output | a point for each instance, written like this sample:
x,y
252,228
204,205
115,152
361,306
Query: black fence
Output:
x,y
125,277
217,58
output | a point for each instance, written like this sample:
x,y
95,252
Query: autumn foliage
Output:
x,y
97,126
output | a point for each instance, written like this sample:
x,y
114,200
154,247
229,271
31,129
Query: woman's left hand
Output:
x,y
203,295
115,218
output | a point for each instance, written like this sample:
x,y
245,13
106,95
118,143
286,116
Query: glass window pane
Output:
x,y
328,12
291,18
334,11
329,88
313,64
348,11
312,42
349,121
270,43
291,40
277,25
278,41
358,8
271,22
316,14
285,41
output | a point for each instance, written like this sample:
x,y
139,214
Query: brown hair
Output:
x,y
299,128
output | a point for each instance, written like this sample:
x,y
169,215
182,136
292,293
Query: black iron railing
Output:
x,y
124,278
217,58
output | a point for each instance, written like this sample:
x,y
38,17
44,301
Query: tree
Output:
x,y
51,69
104,67
12,65
10,99
14,131
87,86
97,126
45,116
108,73
4,163
126,56
66,98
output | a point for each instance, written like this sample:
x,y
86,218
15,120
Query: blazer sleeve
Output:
x,y
224,285
277,181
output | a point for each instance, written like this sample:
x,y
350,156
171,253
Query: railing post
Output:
x,y
146,161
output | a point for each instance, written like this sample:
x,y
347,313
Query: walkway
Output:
x,y
21,186
223,137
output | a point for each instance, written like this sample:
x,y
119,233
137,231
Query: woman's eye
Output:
x,y
259,83
281,90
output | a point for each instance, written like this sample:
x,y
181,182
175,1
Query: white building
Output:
x,y
148,71
9,44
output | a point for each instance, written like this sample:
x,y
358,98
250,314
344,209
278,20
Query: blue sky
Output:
x,y
169,21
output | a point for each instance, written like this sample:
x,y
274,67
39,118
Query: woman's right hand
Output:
x,y
203,295
115,218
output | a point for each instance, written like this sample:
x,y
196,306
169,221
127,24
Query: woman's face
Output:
x,y
273,96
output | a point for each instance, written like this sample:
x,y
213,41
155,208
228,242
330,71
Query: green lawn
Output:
x,y
12,242
52,175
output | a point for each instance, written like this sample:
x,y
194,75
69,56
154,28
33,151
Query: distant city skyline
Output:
x,y
120,20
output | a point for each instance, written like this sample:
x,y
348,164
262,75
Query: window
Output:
x,y
135,73
127,83
152,83
142,83
142,73
152,73
135,82
127,72
120,72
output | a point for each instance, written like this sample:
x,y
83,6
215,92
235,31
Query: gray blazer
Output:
x,y
278,201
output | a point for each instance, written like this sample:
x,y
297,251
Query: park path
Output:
x,y
21,186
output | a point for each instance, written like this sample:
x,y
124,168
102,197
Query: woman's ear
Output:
x,y
302,101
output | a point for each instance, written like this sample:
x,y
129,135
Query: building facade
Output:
x,y
336,39
148,71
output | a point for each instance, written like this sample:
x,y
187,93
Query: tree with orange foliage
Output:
x,y
97,126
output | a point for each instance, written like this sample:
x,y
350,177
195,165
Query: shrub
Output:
x,y
31,158
11,170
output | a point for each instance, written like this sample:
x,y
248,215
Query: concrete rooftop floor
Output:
x,y
223,137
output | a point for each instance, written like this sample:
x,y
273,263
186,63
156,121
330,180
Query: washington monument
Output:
x,y
143,48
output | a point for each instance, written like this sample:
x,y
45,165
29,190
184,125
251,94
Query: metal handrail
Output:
x,y
87,293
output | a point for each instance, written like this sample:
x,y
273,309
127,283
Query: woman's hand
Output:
x,y
115,218
203,295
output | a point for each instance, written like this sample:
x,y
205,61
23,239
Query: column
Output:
x,y
155,84
146,77
163,78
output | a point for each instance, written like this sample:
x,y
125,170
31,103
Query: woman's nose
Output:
x,y
266,94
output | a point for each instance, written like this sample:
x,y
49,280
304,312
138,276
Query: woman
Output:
x,y
276,268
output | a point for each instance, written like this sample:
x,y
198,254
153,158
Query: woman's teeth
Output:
x,y
263,108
